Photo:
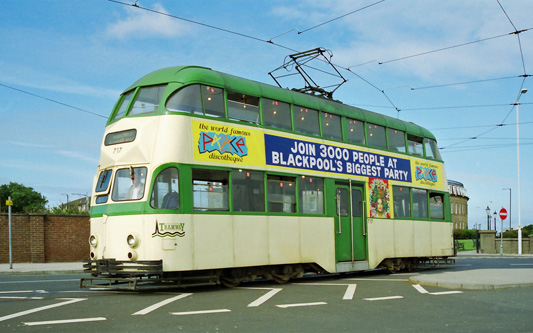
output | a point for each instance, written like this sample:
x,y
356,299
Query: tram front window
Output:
x,y
165,194
129,184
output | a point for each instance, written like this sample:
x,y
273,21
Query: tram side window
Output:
x,y
243,107
305,120
376,136
210,190
248,191
414,144
432,151
281,194
420,204
311,195
102,185
147,100
331,126
402,201
187,99
276,114
129,184
356,131
396,140
436,206
213,101
165,194
124,105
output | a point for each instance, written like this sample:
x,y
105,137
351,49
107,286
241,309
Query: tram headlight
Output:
x,y
132,255
93,241
133,240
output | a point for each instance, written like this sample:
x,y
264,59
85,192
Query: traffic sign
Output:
x,y
503,213
9,203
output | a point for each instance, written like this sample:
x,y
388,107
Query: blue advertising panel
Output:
x,y
300,154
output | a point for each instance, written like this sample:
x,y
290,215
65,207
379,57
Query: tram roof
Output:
x,y
195,74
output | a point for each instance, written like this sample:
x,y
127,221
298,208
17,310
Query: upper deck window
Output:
x,y
396,140
124,104
331,126
187,99
376,136
276,114
305,120
243,107
414,144
147,100
213,101
356,131
432,151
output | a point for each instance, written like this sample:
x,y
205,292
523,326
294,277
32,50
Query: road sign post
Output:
x,y
503,216
9,203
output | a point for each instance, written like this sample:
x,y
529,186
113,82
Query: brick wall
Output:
x,y
44,238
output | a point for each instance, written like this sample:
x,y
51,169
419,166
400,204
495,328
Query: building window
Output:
x,y
248,191
311,195
210,190
281,194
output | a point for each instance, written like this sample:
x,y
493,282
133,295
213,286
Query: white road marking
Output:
x,y
160,304
38,281
198,312
284,306
383,298
521,264
23,292
19,297
66,321
420,289
446,293
265,297
42,308
350,291
348,295
390,280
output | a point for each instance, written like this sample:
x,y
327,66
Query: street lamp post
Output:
x,y
495,220
523,91
487,210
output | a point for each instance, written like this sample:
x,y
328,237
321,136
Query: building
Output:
x,y
459,204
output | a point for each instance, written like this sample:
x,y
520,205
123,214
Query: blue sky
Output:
x,y
83,54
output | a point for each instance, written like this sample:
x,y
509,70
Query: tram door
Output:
x,y
349,223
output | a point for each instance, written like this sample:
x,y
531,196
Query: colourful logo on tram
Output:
x,y
223,143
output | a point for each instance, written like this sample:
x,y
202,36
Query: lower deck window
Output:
x,y
281,194
401,201
129,184
420,204
436,206
210,190
248,191
165,194
311,195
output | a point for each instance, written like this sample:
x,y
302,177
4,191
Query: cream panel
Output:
x,y
251,240
175,137
381,240
423,232
213,241
442,246
284,239
317,242
404,234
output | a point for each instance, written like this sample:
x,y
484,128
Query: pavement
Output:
x,y
477,279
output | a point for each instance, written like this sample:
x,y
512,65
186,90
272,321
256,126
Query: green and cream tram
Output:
x,y
206,177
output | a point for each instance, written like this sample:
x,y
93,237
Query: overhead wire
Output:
x,y
53,101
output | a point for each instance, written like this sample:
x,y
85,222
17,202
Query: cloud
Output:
x,y
144,24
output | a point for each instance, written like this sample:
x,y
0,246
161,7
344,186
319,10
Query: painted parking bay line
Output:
x,y
383,298
159,304
65,321
284,306
199,312
42,308
421,290
265,297
348,294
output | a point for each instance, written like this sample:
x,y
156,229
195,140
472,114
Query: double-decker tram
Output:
x,y
205,177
